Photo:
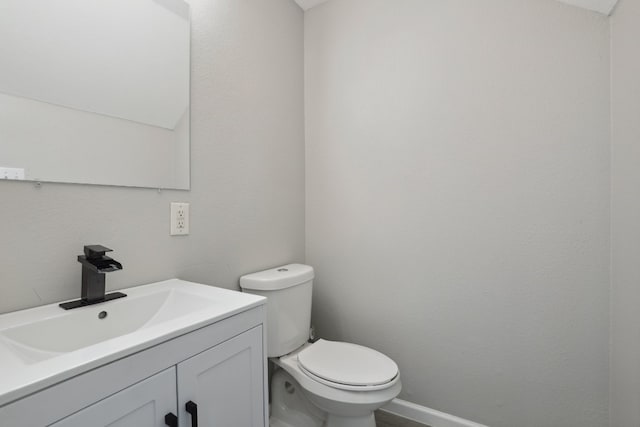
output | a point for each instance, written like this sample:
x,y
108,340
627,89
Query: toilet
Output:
x,y
320,384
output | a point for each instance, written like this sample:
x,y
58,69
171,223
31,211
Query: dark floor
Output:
x,y
385,419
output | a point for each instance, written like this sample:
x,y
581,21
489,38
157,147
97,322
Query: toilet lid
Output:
x,y
349,364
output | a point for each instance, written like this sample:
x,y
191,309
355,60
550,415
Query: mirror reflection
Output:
x,y
95,91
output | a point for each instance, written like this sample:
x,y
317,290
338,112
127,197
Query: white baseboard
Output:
x,y
426,415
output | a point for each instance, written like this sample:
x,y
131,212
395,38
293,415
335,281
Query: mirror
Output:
x,y
95,92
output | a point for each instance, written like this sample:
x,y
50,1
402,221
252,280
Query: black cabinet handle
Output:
x,y
192,408
171,420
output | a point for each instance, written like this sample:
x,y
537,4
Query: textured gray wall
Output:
x,y
625,268
247,197
458,200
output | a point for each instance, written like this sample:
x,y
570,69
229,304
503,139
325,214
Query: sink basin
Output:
x,y
83,327
42,346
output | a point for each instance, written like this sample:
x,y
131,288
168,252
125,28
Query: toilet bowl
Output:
x,y
345,403
321,384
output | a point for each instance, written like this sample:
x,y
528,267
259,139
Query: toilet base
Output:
x,y
343,422
338,421
291,407
332,422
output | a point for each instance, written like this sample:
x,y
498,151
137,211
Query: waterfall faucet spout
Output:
x,y
95,265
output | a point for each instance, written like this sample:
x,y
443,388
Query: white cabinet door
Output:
x,y
226,383
144,404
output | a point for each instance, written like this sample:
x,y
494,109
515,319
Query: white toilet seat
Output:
x,y
347,366
329,390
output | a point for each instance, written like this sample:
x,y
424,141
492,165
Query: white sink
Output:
x,y
45,345
83,327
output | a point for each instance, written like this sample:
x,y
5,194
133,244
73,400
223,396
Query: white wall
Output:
x,y
625,291
458,200
247,197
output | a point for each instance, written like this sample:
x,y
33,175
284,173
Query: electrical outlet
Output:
x,y
179,219
11,173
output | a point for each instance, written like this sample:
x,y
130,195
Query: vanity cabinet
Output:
x,y
225,382
142,405
220,368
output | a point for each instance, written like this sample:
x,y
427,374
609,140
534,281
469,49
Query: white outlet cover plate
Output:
x,y
179,219
11,173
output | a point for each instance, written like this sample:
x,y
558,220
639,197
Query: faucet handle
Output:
x,y
95,251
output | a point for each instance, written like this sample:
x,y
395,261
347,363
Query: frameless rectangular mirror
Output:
x,y
95,91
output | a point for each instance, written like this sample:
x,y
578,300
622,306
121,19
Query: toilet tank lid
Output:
x,y
277,278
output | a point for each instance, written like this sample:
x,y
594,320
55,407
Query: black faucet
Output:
x,y
95,265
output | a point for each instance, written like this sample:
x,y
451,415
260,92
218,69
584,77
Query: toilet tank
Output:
x,y
288,291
